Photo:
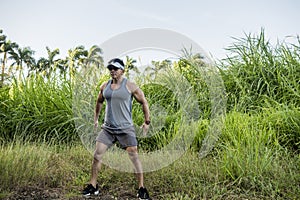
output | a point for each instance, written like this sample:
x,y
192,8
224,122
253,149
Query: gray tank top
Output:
x,y
118,111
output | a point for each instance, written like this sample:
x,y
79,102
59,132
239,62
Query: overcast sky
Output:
x,y
65,24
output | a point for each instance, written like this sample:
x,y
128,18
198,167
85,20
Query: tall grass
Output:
x,y
37,109
249,147
251,155
23,163
256,72
256,76
260,77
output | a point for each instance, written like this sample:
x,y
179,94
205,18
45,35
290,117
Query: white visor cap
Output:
x,y
116,64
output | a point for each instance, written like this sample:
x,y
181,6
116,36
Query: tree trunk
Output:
x,y
3,68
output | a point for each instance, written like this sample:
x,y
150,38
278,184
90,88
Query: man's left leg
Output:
x,y
133,155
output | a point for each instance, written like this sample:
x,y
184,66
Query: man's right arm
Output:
x,y
99,105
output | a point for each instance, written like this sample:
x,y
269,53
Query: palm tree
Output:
x,y
41,66
62,65
157,66
75,57
49,64
2,42
130,66
22,56
2,37
94,57
6,47
52,63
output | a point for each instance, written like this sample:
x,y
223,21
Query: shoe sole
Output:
x,y
91,195
144,199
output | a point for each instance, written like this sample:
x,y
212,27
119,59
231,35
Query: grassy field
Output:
x,y
255,156
245,167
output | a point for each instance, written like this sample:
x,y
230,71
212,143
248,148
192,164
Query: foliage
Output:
x,y
37,109
255,72
257,77
256,156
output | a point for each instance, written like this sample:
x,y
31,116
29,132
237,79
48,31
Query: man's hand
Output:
x,y
145,128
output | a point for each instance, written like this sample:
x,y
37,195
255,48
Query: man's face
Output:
x,y
115,72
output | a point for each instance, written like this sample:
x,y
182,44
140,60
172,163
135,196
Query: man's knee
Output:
x,y
97,156
132,152
99,151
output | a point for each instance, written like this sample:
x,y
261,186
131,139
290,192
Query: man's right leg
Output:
x,y
97,161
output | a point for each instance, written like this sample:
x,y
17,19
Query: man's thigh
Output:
x,y
106,138
127,139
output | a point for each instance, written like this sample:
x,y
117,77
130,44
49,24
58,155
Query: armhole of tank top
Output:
x,y
128,89
124,84
131,92
107,84
137,87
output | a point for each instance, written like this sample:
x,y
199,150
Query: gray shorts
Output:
x,y
127,139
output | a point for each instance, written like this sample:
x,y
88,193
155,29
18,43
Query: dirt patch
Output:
x,y
35,193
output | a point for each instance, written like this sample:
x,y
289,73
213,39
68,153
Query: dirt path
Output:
x,y
33,193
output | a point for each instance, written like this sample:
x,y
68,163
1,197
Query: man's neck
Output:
x,y
117,80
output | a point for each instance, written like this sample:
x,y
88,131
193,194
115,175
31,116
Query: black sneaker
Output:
x,y
90,190
143,193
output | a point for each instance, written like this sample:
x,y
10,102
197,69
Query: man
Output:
x,y
118,125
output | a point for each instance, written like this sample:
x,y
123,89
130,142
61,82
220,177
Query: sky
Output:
x,y
212,24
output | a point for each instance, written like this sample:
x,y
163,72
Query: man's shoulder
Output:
x,y
131,86
129,82
103,85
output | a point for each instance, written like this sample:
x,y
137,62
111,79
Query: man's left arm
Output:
x,y
140,97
